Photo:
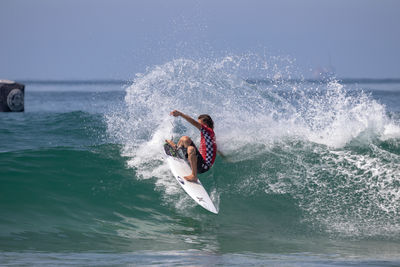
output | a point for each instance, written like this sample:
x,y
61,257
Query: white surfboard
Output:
x,y
195,190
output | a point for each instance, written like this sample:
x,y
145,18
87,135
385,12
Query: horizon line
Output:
x,y
72,82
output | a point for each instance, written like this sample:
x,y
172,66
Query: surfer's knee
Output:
x,y
185,140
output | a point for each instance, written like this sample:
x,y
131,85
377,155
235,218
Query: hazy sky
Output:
x,y
98,39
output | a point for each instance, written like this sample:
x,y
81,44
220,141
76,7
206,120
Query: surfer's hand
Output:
x,y
175,113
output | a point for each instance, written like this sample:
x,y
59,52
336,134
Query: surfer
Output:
x,y
202,161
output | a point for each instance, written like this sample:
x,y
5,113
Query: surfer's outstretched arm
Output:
x,y
192,121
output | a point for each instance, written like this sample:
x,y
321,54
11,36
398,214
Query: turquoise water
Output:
x,y
311,176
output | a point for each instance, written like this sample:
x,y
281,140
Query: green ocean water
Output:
x,y
310,178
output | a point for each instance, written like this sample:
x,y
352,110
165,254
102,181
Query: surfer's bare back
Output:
x,y
202,161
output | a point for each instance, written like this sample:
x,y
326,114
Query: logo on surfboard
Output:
x,y
200,199
180,180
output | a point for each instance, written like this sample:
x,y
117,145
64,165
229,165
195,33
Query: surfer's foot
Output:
x,y
171,143
191,178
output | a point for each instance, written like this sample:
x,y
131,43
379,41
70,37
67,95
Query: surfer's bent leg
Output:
x,y
193,164
186,142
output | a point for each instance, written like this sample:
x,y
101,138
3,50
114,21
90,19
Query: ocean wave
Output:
x,y
295,139
303,161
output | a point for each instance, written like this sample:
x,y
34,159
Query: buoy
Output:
x,y
11,96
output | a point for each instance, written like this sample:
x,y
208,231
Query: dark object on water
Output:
x,y
11,96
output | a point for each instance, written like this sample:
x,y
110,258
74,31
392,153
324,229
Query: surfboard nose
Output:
x,y
213,209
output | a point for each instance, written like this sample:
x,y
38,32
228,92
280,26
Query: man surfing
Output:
x,y
202,161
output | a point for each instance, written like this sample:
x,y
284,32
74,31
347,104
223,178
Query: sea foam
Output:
x,y
313,126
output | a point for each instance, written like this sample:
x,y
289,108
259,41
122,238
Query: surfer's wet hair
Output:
x,y
207,120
